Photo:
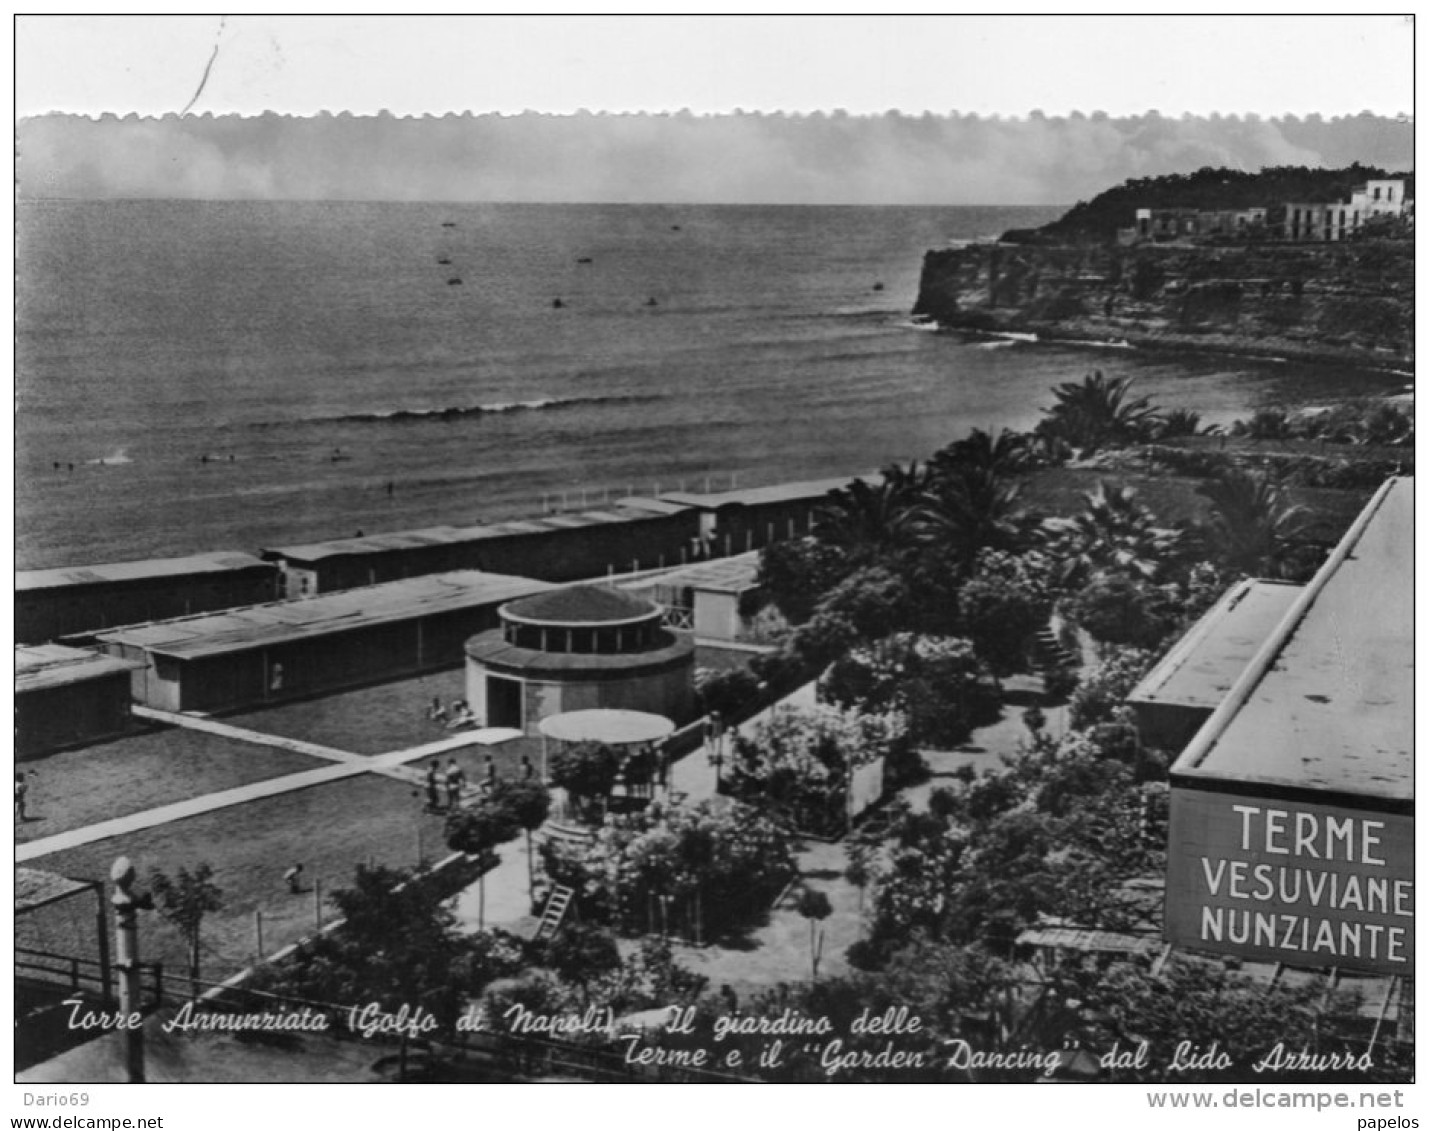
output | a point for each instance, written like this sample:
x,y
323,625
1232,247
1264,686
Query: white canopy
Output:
x,y
614,728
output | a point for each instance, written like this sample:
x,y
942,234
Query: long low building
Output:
x,y
50,603
290,649
733,522
1292,809
554,547
67,696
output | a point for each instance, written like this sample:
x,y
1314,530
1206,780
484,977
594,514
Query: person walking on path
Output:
x,y
21,789
489,775
528,771
434,800
293,877
455,780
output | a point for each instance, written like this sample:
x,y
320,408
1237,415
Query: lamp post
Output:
x,y
127,904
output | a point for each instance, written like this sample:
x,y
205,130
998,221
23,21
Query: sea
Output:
x,y
196,376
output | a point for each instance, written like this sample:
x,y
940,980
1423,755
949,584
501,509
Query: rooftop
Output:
x,y
39,667
279,622
218,562
492,649
1204,664
1327,703
450,535
775,493
721,575
581,604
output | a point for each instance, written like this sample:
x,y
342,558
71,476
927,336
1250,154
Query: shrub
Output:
x,y
727,692
797,762
936,682
1106,686
1003,605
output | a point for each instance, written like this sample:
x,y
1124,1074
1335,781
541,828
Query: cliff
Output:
x,y
1351,301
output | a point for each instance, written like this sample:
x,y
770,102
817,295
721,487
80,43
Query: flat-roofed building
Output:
x,y
68,697
290,649
1177,696
556,547
710,599
732,522
1292,809
50,603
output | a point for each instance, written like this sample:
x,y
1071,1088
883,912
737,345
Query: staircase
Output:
x,y
1048,652
556,906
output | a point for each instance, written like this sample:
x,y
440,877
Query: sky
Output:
x,y
918,110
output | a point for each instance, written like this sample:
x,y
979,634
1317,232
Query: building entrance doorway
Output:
x,y
503,703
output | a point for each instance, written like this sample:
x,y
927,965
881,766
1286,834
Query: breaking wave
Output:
x,y
496,408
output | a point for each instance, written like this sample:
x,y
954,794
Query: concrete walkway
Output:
x,y
179,810
345,765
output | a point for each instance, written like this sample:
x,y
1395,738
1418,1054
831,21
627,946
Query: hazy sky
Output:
x,y
989,110
560,64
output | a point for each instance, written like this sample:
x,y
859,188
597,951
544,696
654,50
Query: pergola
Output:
x,y
607,726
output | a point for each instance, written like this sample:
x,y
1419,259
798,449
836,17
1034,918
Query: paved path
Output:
x,y
179,810
508,900
345,765
243,734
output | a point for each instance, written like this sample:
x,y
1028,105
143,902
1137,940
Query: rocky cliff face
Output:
x,y
1344,301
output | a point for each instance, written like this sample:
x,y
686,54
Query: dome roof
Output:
x,y
581,604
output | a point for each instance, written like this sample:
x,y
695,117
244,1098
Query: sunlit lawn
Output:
x,y
330,828
143,771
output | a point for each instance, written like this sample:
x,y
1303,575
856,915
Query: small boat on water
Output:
x,y
585,259
651,301
448,223
443,260
878,286
454,281
557,304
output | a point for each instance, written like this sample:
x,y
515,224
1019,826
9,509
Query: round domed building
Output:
x,y
578,649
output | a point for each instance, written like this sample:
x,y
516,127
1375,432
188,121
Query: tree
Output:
x,y
799,763
1117,609
969,509
477,830
1006,454
1252,526
1098,413
858,871
814,906
528,803
398,948
937,683
797,572
1113,533
586,770
184,900
872,521
1004,604
1106,686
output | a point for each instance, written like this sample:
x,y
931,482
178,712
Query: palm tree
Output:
x,y
1252,525
1098,413
1114,534
967,510
872,520
1183,422
1008,453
